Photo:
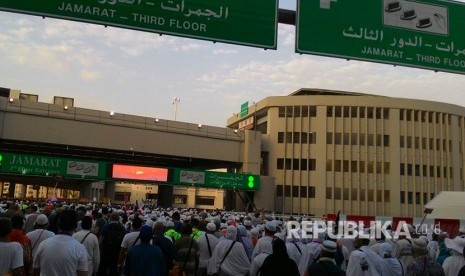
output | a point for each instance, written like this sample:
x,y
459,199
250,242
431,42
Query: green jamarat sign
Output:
x,y
220,180
51,166
425,34
245,22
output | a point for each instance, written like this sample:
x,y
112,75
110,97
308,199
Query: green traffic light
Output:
x,y
251,183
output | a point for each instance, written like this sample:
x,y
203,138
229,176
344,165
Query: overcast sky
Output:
x,y
140,73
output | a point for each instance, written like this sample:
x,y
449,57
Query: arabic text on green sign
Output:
x,y
221,180
244,22
51,166
427,34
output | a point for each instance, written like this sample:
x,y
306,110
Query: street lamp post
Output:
x,y
175,102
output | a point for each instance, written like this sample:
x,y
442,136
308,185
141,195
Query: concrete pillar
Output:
x,y
86,191
191,193
109,190
24,191
219,199
11,190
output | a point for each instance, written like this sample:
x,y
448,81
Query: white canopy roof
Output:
x,y
447,205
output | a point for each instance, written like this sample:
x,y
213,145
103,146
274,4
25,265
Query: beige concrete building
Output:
x,y
357,153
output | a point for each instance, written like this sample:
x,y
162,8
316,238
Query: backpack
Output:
x,y
167,258
114,237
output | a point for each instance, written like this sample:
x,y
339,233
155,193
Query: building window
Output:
x,y
289,111
312,111
354,194
362,166
295,191
312,137
329,193
345,165
371,194
338,111
295,164
353,166
329,111
280,164
204,200
180,199
337,193
288,162
288,137
345,194
296,137
329,138
296,111
329,165
303,164
362,111
410,198
287,190
402,197
370,112
386,140
387,196
386,113
379,195
311,192
303,191
337,138
303,138
304,111
279,190
362,139
312,164
280,137
282,111
120,196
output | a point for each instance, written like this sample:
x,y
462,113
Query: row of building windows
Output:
x,y
297,191
297,111
424,143
364,195
358,166
358,112
409,199
355,139
296,164
297,137
423,116
369,195
424,170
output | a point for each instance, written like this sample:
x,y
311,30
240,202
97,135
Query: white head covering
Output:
x,y
358,265
457,244
231,233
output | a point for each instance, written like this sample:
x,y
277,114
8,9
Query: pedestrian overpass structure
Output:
x,y
79,137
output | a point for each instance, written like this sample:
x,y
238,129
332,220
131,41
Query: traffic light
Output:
x,y
1,159
251,183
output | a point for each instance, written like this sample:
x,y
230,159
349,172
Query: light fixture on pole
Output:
x,y
175,102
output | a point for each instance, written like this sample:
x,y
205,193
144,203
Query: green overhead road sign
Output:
x,y
245,22
39,165
219,180
425,34
244,109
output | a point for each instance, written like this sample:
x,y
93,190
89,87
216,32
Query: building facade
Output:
x,y
360,154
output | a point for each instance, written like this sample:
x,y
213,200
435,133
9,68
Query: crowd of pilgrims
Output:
x,y
147,240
